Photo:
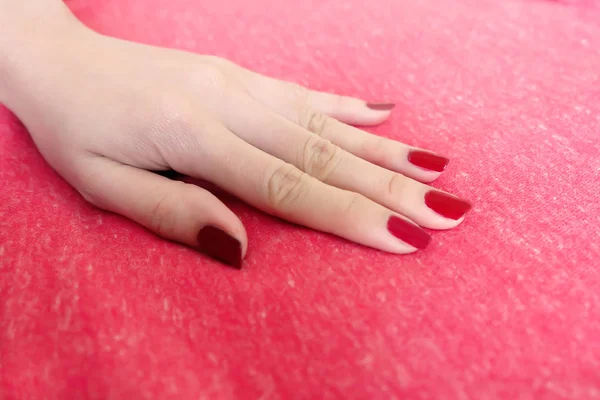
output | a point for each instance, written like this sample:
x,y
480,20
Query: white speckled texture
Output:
x,y
504,307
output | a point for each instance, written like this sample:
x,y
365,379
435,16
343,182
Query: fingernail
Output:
x,y
381,106
429,161
408,233
220,245
446,205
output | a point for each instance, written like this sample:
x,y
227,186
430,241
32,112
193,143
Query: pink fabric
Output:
x,y
507,306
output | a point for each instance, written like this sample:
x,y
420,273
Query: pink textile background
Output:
x,y
504,307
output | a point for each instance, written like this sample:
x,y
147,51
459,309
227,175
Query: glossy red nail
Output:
x,y
408,233
220,245
429,161
381,106
446,205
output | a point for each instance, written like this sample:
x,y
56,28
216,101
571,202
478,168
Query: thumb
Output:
x,y
172,209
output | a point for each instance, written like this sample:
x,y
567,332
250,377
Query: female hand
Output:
x,y
104,112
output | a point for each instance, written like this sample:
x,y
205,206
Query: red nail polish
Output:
x,y
220,245
446,205
408,233
429,161
381,106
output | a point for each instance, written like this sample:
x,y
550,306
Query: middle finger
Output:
x,y
318,157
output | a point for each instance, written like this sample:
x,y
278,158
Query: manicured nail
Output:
x,y
408,233
220,245
446,205
381,106
429,161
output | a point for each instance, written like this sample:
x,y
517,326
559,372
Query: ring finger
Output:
x,y
298,104
321,159
281,189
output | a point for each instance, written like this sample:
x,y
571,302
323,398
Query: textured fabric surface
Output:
x,y
504,307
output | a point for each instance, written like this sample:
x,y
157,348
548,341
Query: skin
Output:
x,y
105,112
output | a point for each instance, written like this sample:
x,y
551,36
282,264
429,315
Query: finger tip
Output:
x,y
220,245
443,224
371,115
368,118
408,233
409,251
446,206
381,106
423,176
427,161
401,249
457,222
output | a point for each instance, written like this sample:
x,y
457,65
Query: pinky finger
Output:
x,y
286,97
349,110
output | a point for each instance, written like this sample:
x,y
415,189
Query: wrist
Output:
x,y
30,31
32,15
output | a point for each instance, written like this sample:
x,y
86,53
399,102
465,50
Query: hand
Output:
x,y
105,112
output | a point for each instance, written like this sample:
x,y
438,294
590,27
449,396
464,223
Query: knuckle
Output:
x,y
395,186
350,204
163,214
299,93
320,157
380,144
285,186
314,121
219,62
375,146
214,75
340,102
210,76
